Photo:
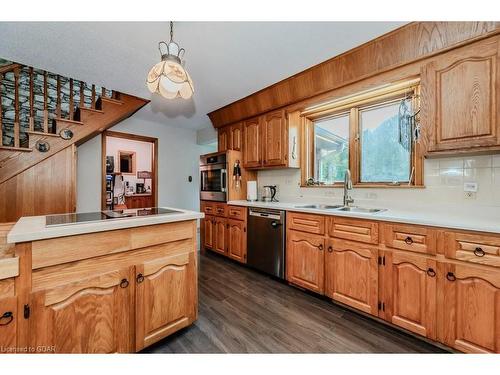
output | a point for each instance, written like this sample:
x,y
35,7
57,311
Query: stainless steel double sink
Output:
x,y
340,207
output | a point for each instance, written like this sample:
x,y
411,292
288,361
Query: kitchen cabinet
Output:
x,y
220,236
469,310
352,274
252,143
166,297
209,231
305,260
460,109
410,290
274,136
91,315
223,139
236,136
8,323
139,201
237,240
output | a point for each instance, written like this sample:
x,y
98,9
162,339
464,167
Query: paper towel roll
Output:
x,y
251,191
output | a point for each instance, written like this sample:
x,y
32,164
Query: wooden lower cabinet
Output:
x,y
8,324
92,315
469,311
209,231
237,240
409,296
305,260
220,236
165,297
352,274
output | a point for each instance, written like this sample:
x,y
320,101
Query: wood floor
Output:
x,y
244,311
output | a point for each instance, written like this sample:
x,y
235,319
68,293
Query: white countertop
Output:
x,y
32,228
448,216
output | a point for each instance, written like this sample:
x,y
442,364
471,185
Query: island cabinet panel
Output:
x,y
166,297
93,315
252,139
237,240
460,98
352,275
305,260
469,308
8,324
410,289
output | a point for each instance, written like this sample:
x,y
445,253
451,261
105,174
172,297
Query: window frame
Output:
x,y
352,104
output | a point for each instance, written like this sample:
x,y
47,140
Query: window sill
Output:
x,y
372,186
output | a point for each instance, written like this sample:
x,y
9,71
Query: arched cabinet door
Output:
x,y
237,240
166,297
470,308
91,315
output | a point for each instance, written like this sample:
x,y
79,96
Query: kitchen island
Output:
x,y
99,286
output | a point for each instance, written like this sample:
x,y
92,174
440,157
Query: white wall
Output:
x,y
178,158
443,179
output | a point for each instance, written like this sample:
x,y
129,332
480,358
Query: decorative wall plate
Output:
x,y
42,146
66,134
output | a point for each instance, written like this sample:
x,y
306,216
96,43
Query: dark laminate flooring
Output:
x,y
244,311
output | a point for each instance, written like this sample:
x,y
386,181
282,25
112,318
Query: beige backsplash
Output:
x,y
444,184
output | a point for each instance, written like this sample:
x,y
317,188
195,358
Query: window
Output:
x,y
362,133
331,154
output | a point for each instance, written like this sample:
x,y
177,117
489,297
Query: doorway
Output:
x,y
129,171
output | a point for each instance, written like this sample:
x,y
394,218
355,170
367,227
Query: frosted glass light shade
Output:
x,y
169,79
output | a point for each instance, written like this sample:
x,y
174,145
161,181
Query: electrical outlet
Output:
x,y
470,195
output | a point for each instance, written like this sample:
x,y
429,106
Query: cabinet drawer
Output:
x,y
221,209
235,212
306,222
352,229
411,238
474,248
208,208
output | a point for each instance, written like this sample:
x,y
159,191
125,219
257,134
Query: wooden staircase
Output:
x,y
35,106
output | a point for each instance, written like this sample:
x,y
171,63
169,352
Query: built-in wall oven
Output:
x,y
213,177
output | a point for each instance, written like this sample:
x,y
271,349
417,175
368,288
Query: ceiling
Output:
x,y
226,60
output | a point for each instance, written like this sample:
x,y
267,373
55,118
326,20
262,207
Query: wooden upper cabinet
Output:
x,y
274,136
92,315
224,139
305,260
410,292
469,309
237,240
352,275
252,143
165,297
236,136
460,109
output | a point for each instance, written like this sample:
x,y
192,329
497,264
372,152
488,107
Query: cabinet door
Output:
x,y
236,136
93,315
274,136
459,98
8,324
352,275
410,292
220,236
305,260
469,310
237,240
251,143
209,232
224,139
166,297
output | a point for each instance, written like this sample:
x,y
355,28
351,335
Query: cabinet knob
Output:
x,y
6,318
409,240
124,283
479,252
330,249
140,278
431,272
451,276
320,247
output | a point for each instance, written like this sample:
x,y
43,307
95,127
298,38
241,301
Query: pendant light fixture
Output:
x,y
169,78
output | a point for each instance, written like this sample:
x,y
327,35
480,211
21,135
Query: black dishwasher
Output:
x,y
266,241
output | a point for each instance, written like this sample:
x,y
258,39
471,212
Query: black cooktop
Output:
x,y
86,217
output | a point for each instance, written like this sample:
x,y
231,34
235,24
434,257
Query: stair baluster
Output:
x,y
1,110
32,102
71,104
16,107
45,104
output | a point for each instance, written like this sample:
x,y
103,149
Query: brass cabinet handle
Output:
x,y
330,249
320,247
409,240
8,316
479,252
451,276
431,272
140,278
124,283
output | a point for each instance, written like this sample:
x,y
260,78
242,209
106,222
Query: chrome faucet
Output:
x,y
347,186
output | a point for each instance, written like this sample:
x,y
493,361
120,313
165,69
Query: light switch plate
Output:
x,y
470,186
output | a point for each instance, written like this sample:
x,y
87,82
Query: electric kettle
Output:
x,y
269,193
